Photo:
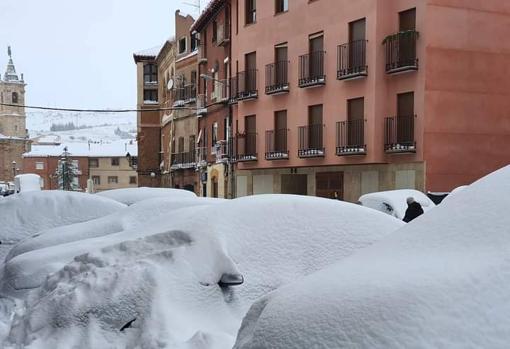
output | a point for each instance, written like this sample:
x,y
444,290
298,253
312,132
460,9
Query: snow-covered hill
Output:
x,y
81,127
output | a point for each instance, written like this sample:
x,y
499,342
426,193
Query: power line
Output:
x,y
96,110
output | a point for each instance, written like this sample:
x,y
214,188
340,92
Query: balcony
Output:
x,y
183,95
311,69
350,138
246,147
277,78
222,35
181,161
276,145
232,86
401,52
247,85
399,134
220,92
201,156
311,141
352,60
202,53
221,151
201,105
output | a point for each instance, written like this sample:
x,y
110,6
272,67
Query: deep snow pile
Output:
x,y
27,213
130,196
164,273
442,281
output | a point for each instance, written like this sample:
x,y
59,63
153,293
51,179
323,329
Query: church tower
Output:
x,y
13,134
12,92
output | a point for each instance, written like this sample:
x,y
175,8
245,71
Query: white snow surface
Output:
x,y
25,214
442,281
85,149
27,182
163,270
397,199
130,196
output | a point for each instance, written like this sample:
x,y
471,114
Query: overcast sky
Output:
x,y
80,53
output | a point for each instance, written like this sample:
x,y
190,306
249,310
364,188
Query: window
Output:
x,y
315,132
15,98
39,165
181,145
280,131
132,179
150,73
182,45
214,134
355,118
250,61
150,95
281,6
113,179
214,32
94,163
250,11
250,127
194,42
96,180
407,20
115,162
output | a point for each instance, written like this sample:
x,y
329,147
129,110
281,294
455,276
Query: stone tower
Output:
x,y
13,134
12,91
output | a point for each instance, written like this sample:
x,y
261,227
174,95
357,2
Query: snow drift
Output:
x,y
158,282
441,281
130,196
27,213
394,202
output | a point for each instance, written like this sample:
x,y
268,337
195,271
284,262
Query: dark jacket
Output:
x,y
413,211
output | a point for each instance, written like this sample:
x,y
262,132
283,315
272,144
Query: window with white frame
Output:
x,y
39,165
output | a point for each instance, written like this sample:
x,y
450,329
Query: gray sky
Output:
x,y
77,53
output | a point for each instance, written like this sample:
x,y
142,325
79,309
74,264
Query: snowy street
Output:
x,y
147,268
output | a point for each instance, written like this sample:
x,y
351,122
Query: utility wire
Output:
x,y
97,110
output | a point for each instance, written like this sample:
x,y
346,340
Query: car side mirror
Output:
x,y
231,280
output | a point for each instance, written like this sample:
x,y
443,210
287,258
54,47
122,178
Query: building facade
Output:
x,y
383,96
213,31
13,134
148,118
183,124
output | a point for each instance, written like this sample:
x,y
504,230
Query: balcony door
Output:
x,y
407,42
316,55
315,127
281,58
357,34
355,120
280,130
405,117
250,62
250,128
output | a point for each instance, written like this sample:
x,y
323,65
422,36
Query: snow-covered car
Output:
x,y
28,182
394,202
442,282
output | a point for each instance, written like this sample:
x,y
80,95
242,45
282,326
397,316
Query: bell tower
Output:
x,y
12,102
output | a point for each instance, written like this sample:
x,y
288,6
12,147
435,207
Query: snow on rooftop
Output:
x,y
93,149
442,281
150,52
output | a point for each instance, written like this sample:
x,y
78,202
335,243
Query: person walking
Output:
x,y
413,211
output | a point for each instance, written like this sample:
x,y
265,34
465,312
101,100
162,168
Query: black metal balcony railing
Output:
x,y
183,160
276,145
185,94
399,134
401,52
246,147
352,60
311,69
277,77
350,138
311,141
247,85
233,88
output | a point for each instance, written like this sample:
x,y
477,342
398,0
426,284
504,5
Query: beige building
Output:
x,y
108,165
13,133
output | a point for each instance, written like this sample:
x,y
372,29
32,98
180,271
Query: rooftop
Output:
x,y
98,149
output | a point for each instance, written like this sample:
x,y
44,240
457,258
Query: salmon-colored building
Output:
x,y
338,98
